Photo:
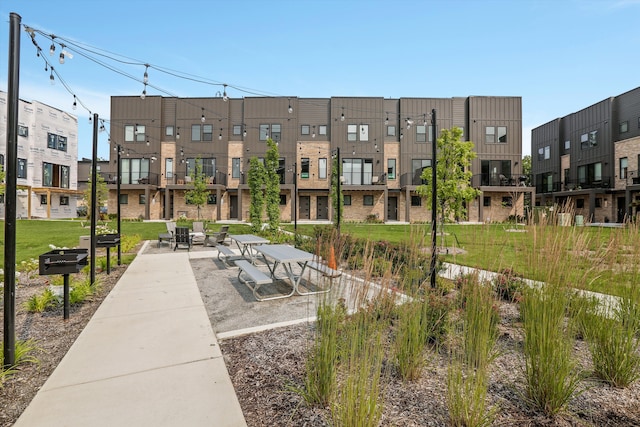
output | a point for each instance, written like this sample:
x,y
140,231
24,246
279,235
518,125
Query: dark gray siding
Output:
x,y
626,108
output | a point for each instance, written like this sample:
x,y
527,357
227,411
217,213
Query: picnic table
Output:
x,y
246,244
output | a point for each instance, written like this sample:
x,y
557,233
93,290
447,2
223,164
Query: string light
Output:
x,y
290,109
61,57
386,121
51,78
143,95
220,136
202,119
52,49
313,135
342,116
178,133
75,104
145,78
225,98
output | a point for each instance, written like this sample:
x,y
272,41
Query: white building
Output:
x,y
47,168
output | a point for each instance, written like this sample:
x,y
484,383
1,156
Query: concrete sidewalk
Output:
x,y
148,357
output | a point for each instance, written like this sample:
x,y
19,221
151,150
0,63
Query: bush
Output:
x,y
508,286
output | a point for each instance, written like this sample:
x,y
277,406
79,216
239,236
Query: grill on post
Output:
x,y
65,262
107,241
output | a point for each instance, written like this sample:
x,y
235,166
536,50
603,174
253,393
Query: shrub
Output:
x,y
39,303
24,350
508,286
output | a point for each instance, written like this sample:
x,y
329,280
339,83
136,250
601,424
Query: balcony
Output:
x,y
499,180
181,178
574,184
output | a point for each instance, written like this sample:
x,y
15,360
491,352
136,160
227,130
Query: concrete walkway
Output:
x,y
148,357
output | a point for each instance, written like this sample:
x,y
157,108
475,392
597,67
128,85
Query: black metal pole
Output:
x,y
118,179
434,197
94,199
66,296
13,100
295,199
339,195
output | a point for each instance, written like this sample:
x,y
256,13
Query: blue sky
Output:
x,y
559,55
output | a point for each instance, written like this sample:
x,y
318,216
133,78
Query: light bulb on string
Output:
x,y
51,78
75,104
202,119
143,95
220,136
61,57
225,98
52,49
145,78
178,133
290,109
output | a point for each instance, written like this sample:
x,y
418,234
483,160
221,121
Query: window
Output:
x,y
168,167
416,201
598,202
235,167
283,199
195,132
418,165
305,129
624,163
56,142
588,174
22,168
502,134
43,199
367,200
507,201
421,133
129,132
212,199
304,168
208,166
357,171
237,129
281,169
547,152
491,136
276,133
624,127
352,132
168,131
124,199
593,138
486,201
346,199
64,200
391,130
584,140
23,131
141,133
207,132
322,168
567,145
264,132
322,130
364,132
541,153
142,199
133,170
391,168
580,203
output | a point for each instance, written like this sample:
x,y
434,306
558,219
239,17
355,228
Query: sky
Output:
x,y
560,56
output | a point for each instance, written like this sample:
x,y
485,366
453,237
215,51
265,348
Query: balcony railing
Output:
x,y
181,178
574,184
499,180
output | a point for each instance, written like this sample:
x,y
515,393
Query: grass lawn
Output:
x,y
593,254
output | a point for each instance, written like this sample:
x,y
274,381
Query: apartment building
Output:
x,y
589,160
383,146
47,154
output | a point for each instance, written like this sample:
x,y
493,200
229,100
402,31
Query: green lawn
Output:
x,y
591,257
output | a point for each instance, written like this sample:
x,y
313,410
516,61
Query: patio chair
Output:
x,y
183,239
217,237
169,236
197,234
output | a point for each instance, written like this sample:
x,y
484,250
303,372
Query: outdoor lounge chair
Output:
x,y
197,234
183,239
169,236
216,238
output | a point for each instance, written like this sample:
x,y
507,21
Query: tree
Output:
x,y
453,175
102,194
526,169
272,185
199,194
255,179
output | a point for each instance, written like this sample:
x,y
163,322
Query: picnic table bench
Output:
x,y
225,255
254,278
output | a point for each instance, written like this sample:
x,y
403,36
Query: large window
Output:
x,y
590,174
391,168
208,166
273,131
358,133
195,132
588,140
56,142
207,133
133,170
421,133
352,132
22,168
496,134
624,127
367,200
496,172
55,175
23,131
364,132
322,168
357,171
418,165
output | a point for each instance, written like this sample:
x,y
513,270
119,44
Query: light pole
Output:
x,y
118,179
434,198
295,200
338,193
